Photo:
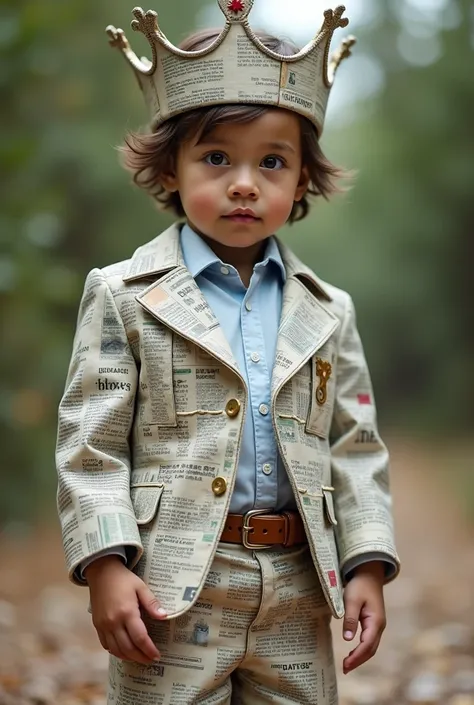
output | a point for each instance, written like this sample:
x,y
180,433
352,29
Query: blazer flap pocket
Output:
x,y
329,505
145,500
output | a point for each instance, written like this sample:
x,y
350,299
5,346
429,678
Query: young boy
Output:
x,y
221,476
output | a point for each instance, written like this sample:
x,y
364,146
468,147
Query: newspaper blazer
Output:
x,y
150,426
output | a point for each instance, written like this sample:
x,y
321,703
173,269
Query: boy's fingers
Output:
x,y
113,647
141,639
370,639
103,640
351,620
148,600
129,649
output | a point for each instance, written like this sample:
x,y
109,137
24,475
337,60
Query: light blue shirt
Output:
x,y
249,319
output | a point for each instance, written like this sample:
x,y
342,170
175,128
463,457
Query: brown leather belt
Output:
x,y
261,529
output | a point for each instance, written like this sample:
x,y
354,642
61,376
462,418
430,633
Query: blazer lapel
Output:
x,y
306,324
175,299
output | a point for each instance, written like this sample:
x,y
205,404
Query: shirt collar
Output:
x,y
198,256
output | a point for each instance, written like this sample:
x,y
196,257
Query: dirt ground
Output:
x,y
49,652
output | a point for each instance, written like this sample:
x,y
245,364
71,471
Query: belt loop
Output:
x,y
288,528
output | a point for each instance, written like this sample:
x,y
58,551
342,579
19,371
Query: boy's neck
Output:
x,y
243,259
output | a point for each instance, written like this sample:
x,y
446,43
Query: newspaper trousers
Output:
x,y
259,633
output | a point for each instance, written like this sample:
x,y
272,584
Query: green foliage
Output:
x,y
66,207
399,240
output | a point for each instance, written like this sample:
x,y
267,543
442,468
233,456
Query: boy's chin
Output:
x,y
239,240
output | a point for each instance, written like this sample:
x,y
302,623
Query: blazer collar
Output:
x,y
160,255
163,253
295,268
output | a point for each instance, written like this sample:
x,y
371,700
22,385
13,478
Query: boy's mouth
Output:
x,y
242,215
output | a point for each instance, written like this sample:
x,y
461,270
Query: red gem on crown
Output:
x,y
236,6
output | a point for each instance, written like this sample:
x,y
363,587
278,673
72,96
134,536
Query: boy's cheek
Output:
x,y
201,203
279,208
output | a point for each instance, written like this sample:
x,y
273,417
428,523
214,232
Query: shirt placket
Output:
x,y
259,382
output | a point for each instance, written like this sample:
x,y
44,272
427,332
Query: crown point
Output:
x,y
344,52
145,22
333,19
236,6
117,38
236,11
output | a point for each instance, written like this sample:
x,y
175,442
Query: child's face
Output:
x,y
238,185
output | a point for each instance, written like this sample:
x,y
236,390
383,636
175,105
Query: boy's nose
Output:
x,y
243,186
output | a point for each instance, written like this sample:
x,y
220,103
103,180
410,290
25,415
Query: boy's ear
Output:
x,y
169,182
303,184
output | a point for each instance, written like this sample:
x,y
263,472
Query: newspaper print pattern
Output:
x,y
263,616
137,455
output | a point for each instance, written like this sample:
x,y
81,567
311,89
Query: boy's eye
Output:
x,y
273,163
216,159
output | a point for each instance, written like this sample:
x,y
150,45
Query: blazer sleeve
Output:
x,y
95,419
359,460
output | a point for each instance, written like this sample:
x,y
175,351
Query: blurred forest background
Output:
x,y
401,241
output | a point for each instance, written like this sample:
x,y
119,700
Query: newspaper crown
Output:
x,y
236,68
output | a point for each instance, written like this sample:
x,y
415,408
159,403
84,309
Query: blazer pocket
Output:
x,y
329,506
145,500
323,391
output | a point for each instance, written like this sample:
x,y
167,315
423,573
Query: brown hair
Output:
x,y
149,156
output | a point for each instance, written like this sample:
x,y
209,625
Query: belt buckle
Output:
x,y
246,529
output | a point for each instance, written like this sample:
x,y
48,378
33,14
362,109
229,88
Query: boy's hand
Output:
x,y
364,603
116,595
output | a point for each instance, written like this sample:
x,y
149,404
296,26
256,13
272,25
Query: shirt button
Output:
x,y
255,357
267,469
263,409
225,270
248,306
